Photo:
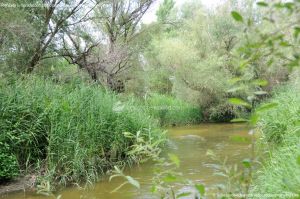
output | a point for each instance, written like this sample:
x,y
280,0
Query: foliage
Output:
x,y
129,179
190,56
223,112
278,119
171,111
165,10
279,124
238,177
268,52
166,174
72,132
191,65
9,167
280,132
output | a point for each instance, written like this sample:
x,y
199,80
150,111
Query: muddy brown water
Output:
x,y
190,144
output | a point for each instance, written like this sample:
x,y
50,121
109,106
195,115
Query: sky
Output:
x,y
150,15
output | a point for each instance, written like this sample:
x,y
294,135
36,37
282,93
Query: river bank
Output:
x,y
23,183
190,144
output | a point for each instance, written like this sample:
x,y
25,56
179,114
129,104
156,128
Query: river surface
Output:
x,y
190,144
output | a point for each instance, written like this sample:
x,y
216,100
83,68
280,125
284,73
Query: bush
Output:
x,y
222,113
8,164
171,111
74,131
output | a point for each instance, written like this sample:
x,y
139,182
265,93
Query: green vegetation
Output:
x,y
72,132
9,167
171,111
280,132
85,85
278,119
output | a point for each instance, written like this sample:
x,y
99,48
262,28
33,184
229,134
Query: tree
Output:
x,y
41,25
165,10
119,21
54,19
16,35
80,48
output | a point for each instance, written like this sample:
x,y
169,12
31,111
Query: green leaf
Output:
x,y
154,189
170,178
296,32
235,80
262,4
174,159
247,163
298,159
254,119
284,44
260,82
279,5
200,188
289,5
237,16
239,102
237,120
133,182
260,93
266,107
184,194
232,90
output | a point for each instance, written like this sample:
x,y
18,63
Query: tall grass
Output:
x,y
281,132
73,132
172,111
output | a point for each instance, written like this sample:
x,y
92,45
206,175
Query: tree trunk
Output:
x,y
33,62
93,74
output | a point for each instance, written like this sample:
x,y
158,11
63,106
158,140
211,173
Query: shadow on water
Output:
x,y
190,144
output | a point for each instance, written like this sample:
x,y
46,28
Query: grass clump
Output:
x,y
281,132
172,111
71,132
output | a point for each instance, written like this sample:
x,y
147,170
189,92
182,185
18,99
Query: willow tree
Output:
x,y
119,21
54,17
45,19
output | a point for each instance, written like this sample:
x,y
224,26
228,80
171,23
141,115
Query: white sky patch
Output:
x,y
150,15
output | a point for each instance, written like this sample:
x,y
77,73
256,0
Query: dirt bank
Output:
x,y
19,184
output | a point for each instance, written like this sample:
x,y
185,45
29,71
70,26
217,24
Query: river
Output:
x,y
190,144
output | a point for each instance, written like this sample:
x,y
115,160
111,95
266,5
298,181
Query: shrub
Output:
x,y
8,164
222,113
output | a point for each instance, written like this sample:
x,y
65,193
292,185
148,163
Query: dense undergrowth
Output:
x,y
281,134
73,132
172,111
